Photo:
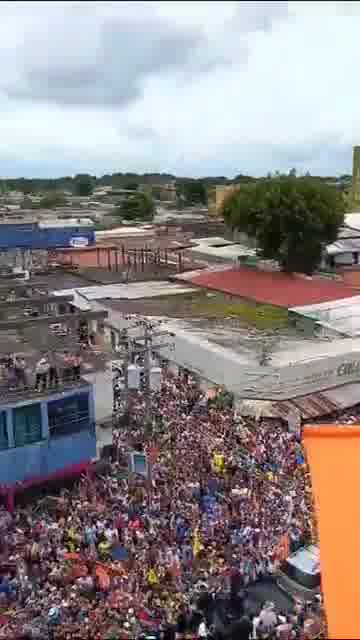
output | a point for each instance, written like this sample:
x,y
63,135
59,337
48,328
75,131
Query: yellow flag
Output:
x,y
152,577
197,546
218,463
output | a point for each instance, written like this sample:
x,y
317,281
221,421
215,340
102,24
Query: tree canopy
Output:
x,y
137,206
52,200
131,186
192,192
83,184
291,219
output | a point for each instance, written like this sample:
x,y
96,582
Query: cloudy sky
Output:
x,y
193,88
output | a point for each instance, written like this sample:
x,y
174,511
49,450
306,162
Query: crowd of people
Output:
x,y
157,555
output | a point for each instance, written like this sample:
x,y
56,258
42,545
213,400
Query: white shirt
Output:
x,y
202,631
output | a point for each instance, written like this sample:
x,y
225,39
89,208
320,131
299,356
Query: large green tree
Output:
x,y
291,219
192,192
83,184
137,206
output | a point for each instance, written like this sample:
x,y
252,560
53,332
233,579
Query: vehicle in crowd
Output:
x,y
300,574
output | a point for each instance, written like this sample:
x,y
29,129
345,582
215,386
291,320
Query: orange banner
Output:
x,y
333,453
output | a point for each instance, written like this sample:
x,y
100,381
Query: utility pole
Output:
x,y
132,347
148,346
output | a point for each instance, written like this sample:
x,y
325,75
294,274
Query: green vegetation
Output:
x,y
291,219
83,184
136,206
131,186
259,316
52,200
192,192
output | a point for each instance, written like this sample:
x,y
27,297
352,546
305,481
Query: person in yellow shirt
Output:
x,y
152,577
218,463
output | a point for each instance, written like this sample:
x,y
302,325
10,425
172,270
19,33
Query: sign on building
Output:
x,y
78,242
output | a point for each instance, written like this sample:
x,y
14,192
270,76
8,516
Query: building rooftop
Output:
x,y
340,316
343,245
132,291
352,220
214,249
93,360
275,288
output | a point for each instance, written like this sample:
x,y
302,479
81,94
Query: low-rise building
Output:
x,y
52,390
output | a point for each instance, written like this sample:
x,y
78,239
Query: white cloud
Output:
x,y
188,87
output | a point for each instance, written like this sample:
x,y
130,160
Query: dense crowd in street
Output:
x,y
118,557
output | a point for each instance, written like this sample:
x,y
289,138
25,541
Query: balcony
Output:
x,y
12,394
14,389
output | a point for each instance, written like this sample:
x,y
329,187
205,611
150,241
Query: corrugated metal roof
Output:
x,y
343,246
275,288
313,405
352,220
346,396
342,316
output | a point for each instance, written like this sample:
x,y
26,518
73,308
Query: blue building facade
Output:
x,y
33,235
46,438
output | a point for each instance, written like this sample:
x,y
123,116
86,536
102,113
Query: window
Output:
x,y
68,415
27,424
4,443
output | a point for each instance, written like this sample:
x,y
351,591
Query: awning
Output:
x,y
345,396
313,405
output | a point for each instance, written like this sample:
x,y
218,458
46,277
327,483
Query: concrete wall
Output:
x,y
96,257
30,236
102,393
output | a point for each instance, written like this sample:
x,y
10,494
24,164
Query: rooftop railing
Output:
x,y
34,384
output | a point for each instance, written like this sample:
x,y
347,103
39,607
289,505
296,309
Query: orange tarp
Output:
x,y
333,453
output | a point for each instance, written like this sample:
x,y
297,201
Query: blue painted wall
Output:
x,y
30,236
50,455
45,458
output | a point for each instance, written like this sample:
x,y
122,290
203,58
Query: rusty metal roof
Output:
x,y
313,405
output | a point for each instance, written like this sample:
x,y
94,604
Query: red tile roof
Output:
x,y
277,288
